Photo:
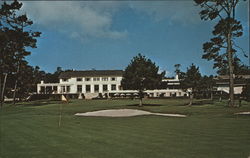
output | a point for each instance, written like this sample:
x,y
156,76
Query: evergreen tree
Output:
x,y
141,74
206,85
225,31
191,81
15,38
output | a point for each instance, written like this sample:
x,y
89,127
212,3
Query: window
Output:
x,y
105,79
96,79
54,88
87,79
113,87
87,88
113,78
120,87
42,89
96,88
79,88
105,88
79,79
65,80
68,88
63,89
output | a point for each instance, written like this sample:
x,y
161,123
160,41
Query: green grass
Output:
x,y
30,130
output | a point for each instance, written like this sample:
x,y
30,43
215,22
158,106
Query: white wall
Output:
x,y
73,82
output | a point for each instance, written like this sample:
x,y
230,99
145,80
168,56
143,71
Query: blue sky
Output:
x,y
83,35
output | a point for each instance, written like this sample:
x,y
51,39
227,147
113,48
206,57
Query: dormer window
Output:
x,y
65,80
78,79
105,79
87,79
96,79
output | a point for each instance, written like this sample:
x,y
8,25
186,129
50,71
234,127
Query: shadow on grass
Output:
x,y
40,103
144,105
198,103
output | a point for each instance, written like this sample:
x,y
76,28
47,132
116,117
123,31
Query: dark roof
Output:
x,y
91,73
225,77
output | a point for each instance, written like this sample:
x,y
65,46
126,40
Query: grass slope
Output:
x,y
30,130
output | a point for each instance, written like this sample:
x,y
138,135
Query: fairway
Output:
x,y
30,130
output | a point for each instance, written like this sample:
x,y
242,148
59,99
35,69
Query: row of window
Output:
x,y
96,79
65,88
96,88
92,79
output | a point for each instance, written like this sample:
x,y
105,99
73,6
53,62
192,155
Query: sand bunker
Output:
x,y
243,113
124,113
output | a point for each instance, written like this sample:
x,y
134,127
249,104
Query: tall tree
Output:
x,y
239,68
141,74
191,81
206,85
15,38
225,31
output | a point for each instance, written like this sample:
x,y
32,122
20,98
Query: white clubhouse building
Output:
x,y
93,83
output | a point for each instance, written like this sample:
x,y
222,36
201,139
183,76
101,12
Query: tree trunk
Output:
x,y
141,96
191,99
230,64
220,99
2,94
14,94
1,91
211,95
140,104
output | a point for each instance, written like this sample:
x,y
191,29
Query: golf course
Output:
x,y
50,129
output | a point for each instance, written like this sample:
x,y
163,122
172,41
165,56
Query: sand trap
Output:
x,y
124,113
243,113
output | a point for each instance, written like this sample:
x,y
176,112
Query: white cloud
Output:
x,y
78,19
180,12
85,19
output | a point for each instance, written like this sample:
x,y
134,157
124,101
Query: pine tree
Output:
x,y
225,31
15,38
141,74
191,81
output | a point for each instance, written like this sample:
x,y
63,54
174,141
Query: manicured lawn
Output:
x,y
30,130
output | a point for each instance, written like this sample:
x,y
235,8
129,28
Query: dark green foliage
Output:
x,y
206,86
222,47
191,81
141,74
15,38
246,91
53,77
239,68
215,49
191,78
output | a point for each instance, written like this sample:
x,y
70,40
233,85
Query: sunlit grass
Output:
x,y
30,130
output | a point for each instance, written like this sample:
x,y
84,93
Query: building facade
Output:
x,y
222,83
94,83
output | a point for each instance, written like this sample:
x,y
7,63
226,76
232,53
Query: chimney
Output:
x,y
177,77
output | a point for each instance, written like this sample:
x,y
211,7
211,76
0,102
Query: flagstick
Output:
x,y
60,116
